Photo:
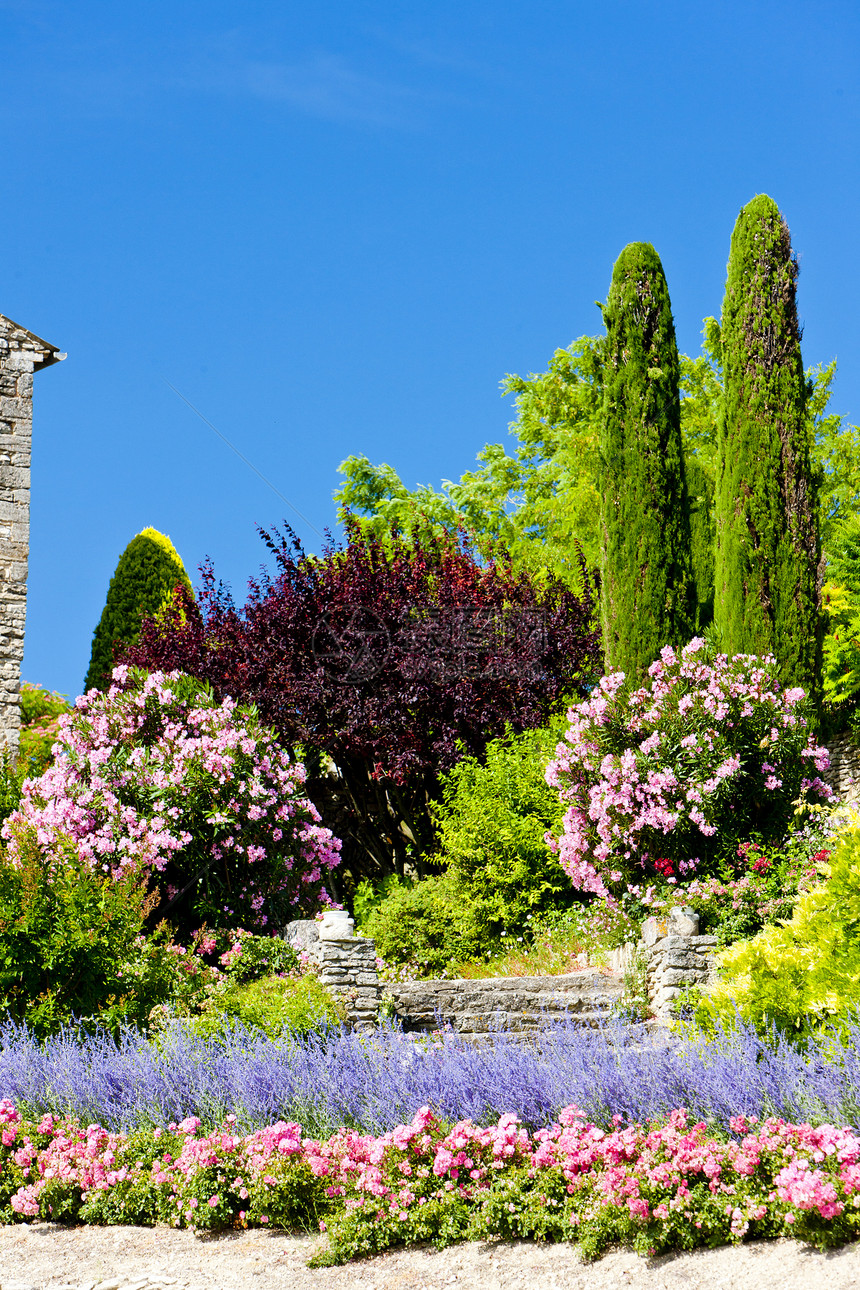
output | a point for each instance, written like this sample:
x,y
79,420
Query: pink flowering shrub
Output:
x,y
675,1185
665,781
157,778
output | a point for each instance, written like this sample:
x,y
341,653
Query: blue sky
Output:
x,y
334,227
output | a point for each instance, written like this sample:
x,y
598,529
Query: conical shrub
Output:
x,y
148,570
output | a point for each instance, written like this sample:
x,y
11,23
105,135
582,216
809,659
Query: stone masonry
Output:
x,y
21,354
677,957
345,967
475,1008
844,772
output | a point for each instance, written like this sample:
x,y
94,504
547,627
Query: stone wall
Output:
x,y
21,354
476,1008
345,967
844,772
677,957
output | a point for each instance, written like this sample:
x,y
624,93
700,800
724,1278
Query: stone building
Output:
x,y
21,354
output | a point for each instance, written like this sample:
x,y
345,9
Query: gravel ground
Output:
x,y
41,1256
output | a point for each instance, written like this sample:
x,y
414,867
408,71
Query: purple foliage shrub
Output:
x,y
393,659
666,780
157,777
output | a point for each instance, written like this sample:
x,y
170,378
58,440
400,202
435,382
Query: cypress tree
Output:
x,y
768,544
700,487
148,570
647,594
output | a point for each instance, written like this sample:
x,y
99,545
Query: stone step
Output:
x,y
477,1007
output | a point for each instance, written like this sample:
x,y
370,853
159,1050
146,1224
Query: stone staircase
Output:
x,y
477,1008
676,956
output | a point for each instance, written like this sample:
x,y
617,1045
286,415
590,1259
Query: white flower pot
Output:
x,y
336,925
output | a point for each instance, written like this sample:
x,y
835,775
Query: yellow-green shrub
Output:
x,y
801,973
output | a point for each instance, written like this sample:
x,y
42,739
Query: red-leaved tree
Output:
x,y
381,664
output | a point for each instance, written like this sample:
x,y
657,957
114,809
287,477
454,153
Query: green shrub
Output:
x,y
11,779
804,973
73,949
274,1004
501,876
40,717
492,824
147,572
423,928
66,933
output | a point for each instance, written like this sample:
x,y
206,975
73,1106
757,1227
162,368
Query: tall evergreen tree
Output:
x,y
700,487
768,546
647,590
148,570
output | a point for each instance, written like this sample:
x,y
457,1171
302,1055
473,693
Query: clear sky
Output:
x,y
333,227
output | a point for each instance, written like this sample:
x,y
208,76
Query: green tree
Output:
x,y
148,571
541,500
647,595
768,544
537,501
836,457
700,488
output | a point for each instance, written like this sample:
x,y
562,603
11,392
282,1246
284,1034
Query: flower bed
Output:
x,y
657,1187
372,1083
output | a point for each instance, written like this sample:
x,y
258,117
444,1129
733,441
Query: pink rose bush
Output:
x,y
665,780
675,1185
157,778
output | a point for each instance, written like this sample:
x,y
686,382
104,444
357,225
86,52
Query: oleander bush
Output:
x,y
761,885
198,797
668,779
41,710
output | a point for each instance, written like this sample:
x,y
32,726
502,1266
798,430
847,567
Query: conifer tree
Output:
x,y
700,487
148,570
647,588
768,546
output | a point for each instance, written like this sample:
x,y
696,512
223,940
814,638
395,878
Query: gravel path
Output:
x,y
41,1256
